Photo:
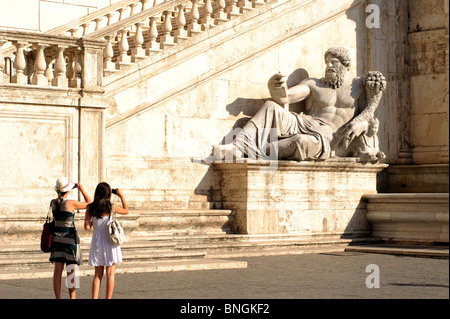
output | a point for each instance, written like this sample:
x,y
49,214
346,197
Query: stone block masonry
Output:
x,y
296,197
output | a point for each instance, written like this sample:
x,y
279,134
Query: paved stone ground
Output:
x,y
329,275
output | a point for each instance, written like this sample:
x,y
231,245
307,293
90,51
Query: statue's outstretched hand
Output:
x,y
278,88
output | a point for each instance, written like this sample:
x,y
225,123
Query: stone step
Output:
x,y
401,250
124,268
160,248
207,221
40,260
410,217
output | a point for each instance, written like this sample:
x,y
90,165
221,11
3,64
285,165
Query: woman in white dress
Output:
x,y
102,253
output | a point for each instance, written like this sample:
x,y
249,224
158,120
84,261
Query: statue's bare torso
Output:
x,y
333,106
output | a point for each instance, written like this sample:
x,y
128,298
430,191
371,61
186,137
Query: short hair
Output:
x,y
341,53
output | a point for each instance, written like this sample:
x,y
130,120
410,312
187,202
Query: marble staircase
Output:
x,y
164,241
172,253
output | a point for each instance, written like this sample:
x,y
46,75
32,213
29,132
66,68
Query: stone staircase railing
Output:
x,y
51,60
148,32
104,17
81,62
95,21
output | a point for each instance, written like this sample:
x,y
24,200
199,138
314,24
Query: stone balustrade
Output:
x,y
50,60
104,17
162,26
138,32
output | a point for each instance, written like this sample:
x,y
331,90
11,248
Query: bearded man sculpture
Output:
x,y
337,109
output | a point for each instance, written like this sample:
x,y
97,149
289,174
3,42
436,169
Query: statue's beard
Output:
x,y
334,80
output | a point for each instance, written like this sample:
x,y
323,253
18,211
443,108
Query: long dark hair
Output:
x,y
102,201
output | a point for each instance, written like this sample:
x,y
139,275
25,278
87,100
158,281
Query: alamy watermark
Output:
x,y
373,280
373,19
73,276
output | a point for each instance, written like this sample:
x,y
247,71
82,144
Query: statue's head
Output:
x,y
338,61
373,126
340,53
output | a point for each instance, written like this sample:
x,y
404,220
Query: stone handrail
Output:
x,y
132,20
162,26
53,60
104,16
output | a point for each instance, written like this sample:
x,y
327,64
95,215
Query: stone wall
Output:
x,y
287,197
170,112
164,114
428,41
41,133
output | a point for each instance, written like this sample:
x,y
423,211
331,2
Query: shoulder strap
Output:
x,y
50,213
111,214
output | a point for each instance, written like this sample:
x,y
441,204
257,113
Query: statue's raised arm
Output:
x,y
374,84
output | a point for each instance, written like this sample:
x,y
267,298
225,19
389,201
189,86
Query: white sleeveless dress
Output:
x,y
102,252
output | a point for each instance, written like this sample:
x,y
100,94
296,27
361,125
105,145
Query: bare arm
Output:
x,y
76,205
374,84
282,95
124,209
298,93
87,220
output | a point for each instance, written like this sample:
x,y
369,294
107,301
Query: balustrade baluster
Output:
x,y
121,10
194,27
75,80
73,32
108,54
110,17
152,46
70,67
60,79
86,28
231,9
123,48
19,64
180,33
166,40
48,73
244,5
257,3
138,53
39,66
144,4
2,63
207,21
133,8
98,23
220,15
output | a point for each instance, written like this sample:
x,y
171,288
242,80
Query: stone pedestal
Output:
x,y
286,197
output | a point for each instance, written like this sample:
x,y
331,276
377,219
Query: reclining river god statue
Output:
x,y
339,111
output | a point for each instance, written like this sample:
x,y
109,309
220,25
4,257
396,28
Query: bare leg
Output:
x,y
96,282
110,273
57,274
72,288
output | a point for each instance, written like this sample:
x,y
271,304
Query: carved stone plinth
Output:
x,y
285,197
